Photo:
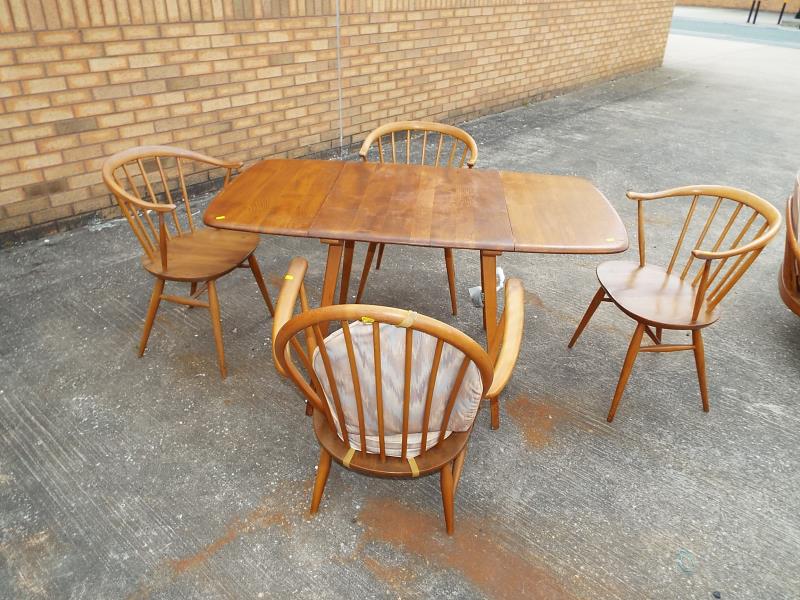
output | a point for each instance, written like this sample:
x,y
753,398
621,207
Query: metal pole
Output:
x,y
752,6
758,7
780,17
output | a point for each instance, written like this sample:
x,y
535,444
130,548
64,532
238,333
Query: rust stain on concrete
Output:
x,y
29,559
261,518
282,508
475,550
279,508
538,419
398,577
275,280
533,299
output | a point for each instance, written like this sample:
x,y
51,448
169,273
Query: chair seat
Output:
x,y
393,467
203,255
652,295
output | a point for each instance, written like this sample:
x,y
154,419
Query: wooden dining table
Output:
x,y
341,203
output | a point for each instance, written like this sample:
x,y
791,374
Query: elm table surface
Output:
x,y
478,209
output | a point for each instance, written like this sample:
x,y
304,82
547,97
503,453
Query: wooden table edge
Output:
x,y
568,250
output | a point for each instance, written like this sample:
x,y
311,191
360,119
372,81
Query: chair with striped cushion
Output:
x,y
394,393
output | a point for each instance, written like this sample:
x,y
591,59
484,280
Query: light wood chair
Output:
x,y
789,280
406,387
176,251
423,143
685,298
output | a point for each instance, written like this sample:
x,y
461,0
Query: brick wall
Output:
x,y
249,79
773,5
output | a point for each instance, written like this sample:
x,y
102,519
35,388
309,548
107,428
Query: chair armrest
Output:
x,y
512,323
365,146
287,300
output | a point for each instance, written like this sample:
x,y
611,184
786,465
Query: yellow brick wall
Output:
x,y
249,79
773,5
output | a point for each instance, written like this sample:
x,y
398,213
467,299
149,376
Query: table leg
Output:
x,y
483,313
346,268
489,284
335,248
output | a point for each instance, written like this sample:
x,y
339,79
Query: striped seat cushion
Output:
x,y
392,347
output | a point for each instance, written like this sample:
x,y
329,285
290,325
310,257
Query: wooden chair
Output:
x,y
740,225
176,251
417,142
406,387
789,280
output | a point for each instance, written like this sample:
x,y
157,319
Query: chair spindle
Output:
x,y
326,361
348,341
683,234
376,350
701,237
437,356
407,388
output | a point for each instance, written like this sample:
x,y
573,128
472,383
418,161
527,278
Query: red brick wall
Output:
x,y
248,79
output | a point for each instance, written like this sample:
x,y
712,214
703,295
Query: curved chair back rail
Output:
x,y
153,179
724,241
422,142
790,270
372,373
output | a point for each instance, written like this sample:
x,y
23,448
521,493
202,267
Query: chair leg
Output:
x,y
494,411
448,496
213,308
152,309
700,362
322,478
627,366
451,278
598,298
347,266
192,290
458,466
260,281
380,256
362,283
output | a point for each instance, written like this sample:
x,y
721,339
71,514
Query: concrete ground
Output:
x,y
152,478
